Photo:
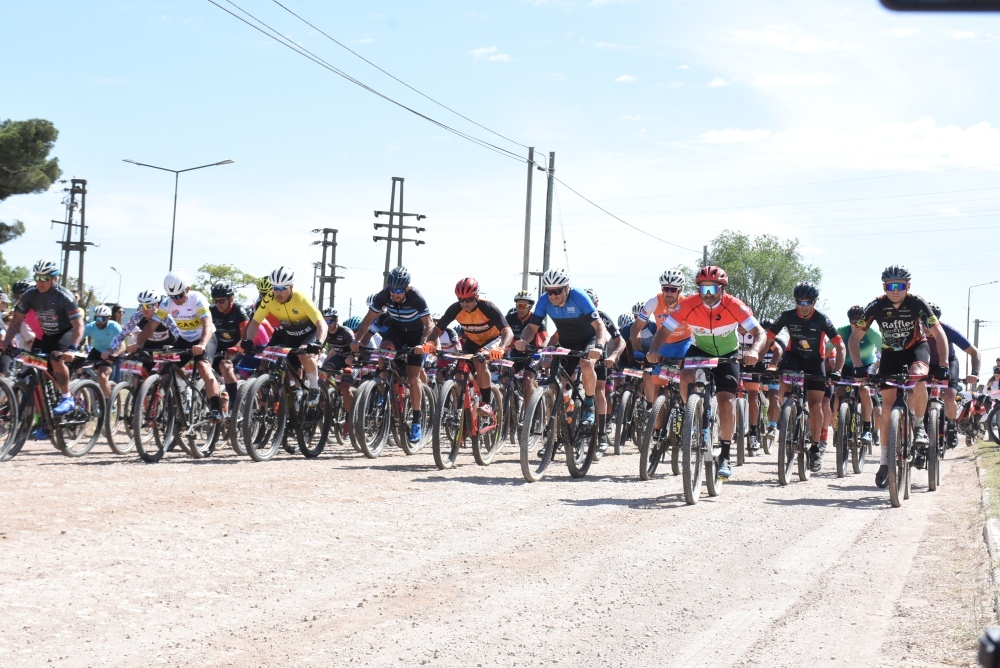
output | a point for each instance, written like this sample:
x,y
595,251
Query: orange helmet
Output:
x,y
467,288
712,273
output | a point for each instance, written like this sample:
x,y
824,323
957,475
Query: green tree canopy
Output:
x,y
209,274
25,166
763,270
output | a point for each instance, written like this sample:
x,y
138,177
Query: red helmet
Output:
x,y
712,273
467,288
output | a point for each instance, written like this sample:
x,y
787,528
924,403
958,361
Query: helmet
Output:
x,y
398,278
555,278
176,283
220,290
996,369
672,278
370,300
895,272
264,284
637,307
712,273
282,277
330,313
935,309
592,295
46,268
102,311
353,323
467,288
20,287
524,296
766,324
806,291
625,319
855,313
149,297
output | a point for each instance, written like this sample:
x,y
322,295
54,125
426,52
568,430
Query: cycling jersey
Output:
x,y
806,336
954,339
517,326
645,337
901,325
228,326
379,324
572,320
406,316
714,328
340,340
613,332
297,316
56,308
480,326
101,338
164,330
656,310
188,316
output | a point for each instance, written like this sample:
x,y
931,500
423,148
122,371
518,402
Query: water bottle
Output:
x,y
569,404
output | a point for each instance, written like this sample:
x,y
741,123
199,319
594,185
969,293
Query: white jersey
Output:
x,y
190,316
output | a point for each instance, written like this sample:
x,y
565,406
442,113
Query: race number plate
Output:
x,y
701,362
793,378
634,373
133,367
32,361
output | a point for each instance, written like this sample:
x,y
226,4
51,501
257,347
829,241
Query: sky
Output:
x,y
870,136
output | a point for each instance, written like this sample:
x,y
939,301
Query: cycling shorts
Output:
x,y
811,367
50,343
334,363
954,380
727,374
471,348
401,339
208,354
676,350
898,361
95,356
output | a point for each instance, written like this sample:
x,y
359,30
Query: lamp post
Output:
x,y
177,175
968,313
119,298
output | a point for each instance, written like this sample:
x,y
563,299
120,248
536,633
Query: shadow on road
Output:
x,y
864,503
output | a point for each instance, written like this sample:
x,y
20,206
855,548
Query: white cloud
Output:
x,y
601,3
733,136
717,82
960,34
611,46
677,84
780,80
364,40
790,38
636,117
903,32
683,67
625,78
489,53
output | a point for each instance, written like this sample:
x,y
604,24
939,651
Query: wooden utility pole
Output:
x,y
392,226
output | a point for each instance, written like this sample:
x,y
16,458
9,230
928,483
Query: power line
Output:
x,y
391,76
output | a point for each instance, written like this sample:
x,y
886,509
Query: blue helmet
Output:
x,y
353,323
399,278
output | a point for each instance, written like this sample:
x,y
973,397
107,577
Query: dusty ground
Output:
x,y
108,561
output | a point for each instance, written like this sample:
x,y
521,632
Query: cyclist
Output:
x,y
485,330
900,315
101,332
714,316
61,326
409,325
300,324
612,352
808,330
517,319
165,331
769,361
230,322
578,325
871,342
339,339
950,404
31,328
772,355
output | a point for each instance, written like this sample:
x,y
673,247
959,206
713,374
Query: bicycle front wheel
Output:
x,y
9,422
623,420
264,425
841,437
153,420
692,456
78,431
742,414
375,418
897,461
449,425
933,448
538,435
489,441
118,425
581,448
654,441
312,428
786,442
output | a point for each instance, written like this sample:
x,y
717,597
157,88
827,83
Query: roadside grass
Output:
x,y
988,457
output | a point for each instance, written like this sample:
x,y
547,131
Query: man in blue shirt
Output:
x,y
951,394
101,332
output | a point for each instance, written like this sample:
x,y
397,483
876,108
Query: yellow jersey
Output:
x,y
296,316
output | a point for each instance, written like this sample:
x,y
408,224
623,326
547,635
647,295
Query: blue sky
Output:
x,y
870,136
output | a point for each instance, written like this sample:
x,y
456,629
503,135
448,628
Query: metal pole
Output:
x,y
548,210
322,274
527,221
173,222
333,267
388,241
975,341
399,248
704,256
119,299
82,287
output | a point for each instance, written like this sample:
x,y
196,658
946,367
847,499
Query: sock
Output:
x,y
824,434
231,390
772,424
649,404
67,395
866,426
486,396
724,448
753,430
601,421
588,401
884,460
215,403
416,417
312,380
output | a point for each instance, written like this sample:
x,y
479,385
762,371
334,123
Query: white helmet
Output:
x,y
176,283
637,308
370,299
624,320
282,277
555,278
46,268
149,297
672,278
102,311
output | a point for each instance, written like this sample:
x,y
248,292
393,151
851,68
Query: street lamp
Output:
x,y
968,315
177,174
119,299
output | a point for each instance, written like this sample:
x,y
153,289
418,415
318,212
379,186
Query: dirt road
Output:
x,y
340,561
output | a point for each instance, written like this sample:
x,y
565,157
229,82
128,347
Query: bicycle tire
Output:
x,y
449,423
202,434
486,446
933,448
860,451
25,397
338,416
234,424
623,415
993,423
77,432
741,411
355,417
691,453
153,420
264,427
118,425
897,462
9,419
538,429
638,420
786,442
802,454
376,420
312,430
840,438
581,446
651,448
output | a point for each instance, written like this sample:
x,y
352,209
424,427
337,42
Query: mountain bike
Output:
x,y
512,390
793,427
741,414
457,417
668,409
847,437
630,408
937,441
118,426
900,446
699,431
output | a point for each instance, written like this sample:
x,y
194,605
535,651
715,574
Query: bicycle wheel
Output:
x,y
449,425
933,448
786,442
264,425
581,447
338,416
375,418
200,433
77,432
765,441
859,451
802,452
841,437
355,417
538,434
9,423
993,424
623,420
234,423
152,420
639,418
713,481
312,424
489,441
742,414
897,462
118,425
692,456
654,441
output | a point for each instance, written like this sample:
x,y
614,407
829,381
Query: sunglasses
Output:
x,y
397,292
281,288
42,279
553,293
100,319
147,307
178,298
470,300
667,288
804,303
522,305
223,300
709,289
895,287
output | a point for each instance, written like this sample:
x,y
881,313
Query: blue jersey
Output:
x,y
645,336
954,339
102,338
573,320
407,314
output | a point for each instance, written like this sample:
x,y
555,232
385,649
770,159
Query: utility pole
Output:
x,y
329,241
704,256
392,226
527,221
78,187
548,210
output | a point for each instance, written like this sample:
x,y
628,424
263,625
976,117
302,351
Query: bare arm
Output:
x,y
854,344
13,329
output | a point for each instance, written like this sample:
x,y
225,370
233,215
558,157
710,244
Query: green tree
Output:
x,y
763,270
209,274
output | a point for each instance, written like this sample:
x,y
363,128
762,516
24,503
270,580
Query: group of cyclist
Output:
x,y
666,328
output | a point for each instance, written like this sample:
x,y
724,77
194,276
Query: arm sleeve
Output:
x,y
448,317
647,310
955,338
490,310
538,315
831,331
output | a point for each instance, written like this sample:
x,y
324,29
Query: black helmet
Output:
x,y
935,309
855,313
20,287
398,278
996,369
806,291
220,290
895,272
330,313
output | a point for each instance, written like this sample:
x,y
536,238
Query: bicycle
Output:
x,y
656,441
118,427
382,405
457,417
512,405
275,401
630,413
794,428
552,418
741,414
847,437
937,441
699,432
34,393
